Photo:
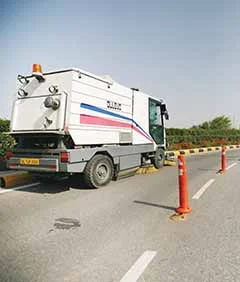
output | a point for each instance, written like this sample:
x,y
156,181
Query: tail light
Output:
x,y
8,155
64,156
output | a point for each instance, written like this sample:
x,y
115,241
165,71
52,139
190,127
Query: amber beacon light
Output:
x,y
37,71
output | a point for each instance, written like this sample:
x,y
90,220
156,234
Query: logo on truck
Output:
x,y
114,105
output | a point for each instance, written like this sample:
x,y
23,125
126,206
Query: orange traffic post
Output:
x,y
183,187
224,160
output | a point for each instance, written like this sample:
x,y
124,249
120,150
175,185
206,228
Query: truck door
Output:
x,y
156,126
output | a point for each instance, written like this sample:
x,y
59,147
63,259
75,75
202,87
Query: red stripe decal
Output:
x,y
140,132
88,119
102,121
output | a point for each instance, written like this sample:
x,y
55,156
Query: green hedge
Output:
x,y
190,138
4,125
6,143
200,131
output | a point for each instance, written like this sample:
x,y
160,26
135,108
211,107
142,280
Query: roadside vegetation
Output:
x,y
6,141
216,132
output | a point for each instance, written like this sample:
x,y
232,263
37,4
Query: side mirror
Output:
x,y
163,108
164,111
166,115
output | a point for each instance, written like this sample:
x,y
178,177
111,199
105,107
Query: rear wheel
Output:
x,y
158,159
99,171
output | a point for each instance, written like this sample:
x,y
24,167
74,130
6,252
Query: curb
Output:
x,y
11,180
170,163
199,150
147,170
171,154
151,169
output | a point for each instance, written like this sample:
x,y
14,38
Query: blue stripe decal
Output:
x,y
100,110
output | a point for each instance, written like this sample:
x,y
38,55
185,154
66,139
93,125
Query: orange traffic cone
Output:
x,y
224,160
183,187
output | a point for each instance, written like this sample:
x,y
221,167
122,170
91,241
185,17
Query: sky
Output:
x,y
186,52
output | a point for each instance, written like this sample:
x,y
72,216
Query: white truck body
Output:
x,y
94,111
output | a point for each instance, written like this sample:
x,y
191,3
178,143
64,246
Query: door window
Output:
x,y
155,122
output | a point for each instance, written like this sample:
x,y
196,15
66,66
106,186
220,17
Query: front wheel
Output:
x,y
99,171
159,158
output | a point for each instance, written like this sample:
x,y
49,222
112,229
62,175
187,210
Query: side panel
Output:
x,y
100,113
141,117
130,161
126,156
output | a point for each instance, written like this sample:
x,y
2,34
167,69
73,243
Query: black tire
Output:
x,y
159,158
98,171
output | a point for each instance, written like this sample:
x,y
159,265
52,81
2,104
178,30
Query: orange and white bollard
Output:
x,y
183,187
224,160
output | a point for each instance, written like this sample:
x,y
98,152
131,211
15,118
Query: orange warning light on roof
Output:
x,y
37,68
37,71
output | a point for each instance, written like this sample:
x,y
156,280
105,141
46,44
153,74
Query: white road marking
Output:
x,y
139,266
232,165
6,190
203,189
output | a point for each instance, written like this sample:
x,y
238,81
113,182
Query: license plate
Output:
x,y
29,161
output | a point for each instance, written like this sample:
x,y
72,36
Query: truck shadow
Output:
x,y
54,187
155,205
77,182
49,188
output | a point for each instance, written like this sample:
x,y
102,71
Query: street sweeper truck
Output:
x,y
71,121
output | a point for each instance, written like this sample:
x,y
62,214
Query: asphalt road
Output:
x,y
122,232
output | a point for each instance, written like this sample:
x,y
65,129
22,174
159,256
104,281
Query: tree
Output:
x,y
4,125
220,122
205,125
